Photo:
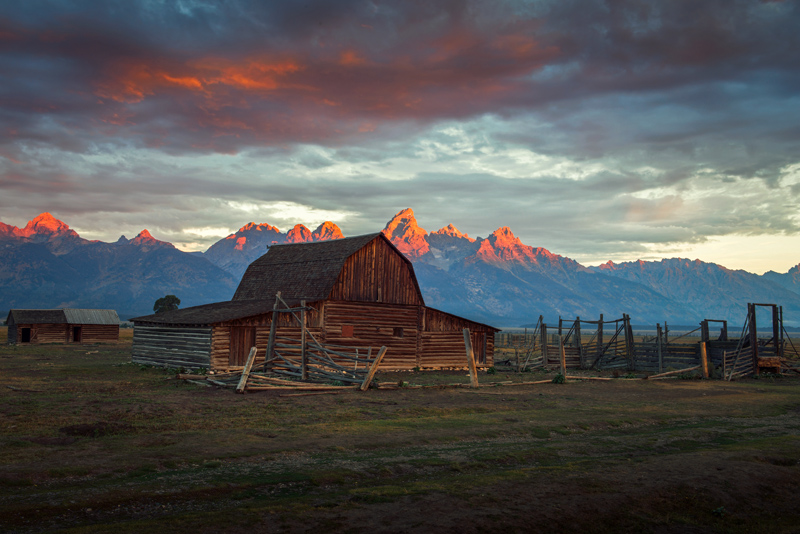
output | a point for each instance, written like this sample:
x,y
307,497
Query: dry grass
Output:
x,y
92,443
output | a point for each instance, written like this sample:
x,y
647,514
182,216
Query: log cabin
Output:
x,y
359,292
69,325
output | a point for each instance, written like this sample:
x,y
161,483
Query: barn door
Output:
x,y
76,334
242,339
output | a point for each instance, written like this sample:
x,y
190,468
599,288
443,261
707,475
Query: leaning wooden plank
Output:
x,y
311,393
548,381
473,372
246,372
281,382
373,369
669,373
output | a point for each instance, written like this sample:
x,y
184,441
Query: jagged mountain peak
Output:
x,y
451,231
298,234
253,227
46,224
406,234
145,239
327,231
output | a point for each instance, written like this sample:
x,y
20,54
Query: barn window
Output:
x,y
398,331
347,330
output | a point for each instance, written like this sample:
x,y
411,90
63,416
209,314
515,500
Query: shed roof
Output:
x,y
301,270
64,316
207,314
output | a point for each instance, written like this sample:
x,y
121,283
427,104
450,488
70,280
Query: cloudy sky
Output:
x,y
609,130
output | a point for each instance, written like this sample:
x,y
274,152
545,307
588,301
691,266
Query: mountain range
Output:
x,y
497,279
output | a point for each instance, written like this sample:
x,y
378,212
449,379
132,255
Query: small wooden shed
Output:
x,y
68,325
361,292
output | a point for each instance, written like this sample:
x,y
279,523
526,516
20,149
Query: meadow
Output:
x,y
93,443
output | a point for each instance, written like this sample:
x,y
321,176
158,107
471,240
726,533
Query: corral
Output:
x,y
723,356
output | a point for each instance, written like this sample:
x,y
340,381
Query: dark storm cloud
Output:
x,y
195,76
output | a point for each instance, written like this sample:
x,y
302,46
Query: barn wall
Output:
x,y
375,325
95,333
377,273
171,346
44,333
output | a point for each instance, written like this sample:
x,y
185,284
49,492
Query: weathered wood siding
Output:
x,y
443,340
62,333
44,333
172,346
377,273
376,325
94,333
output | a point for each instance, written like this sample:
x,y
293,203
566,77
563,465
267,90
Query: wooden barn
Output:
x,y
359,292
67,325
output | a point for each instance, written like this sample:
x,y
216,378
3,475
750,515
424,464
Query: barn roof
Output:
x,y
216,312
303,270
64,316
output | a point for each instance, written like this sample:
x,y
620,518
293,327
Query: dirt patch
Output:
x,y
97,430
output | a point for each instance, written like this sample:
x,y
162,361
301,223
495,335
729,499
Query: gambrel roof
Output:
x,y
305,270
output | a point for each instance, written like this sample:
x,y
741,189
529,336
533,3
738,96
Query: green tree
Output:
x,y
166,303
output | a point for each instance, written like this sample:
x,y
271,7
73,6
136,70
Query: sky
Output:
x,y
609,130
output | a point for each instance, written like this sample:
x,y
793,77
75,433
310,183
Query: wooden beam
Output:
x,y
473,372
246,372
373,369
303,357
273,325
563,356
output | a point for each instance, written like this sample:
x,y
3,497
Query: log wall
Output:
x,y
95,333
44,333
62,333
172,346
376,325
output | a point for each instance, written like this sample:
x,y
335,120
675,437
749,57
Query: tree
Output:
x,y
166,303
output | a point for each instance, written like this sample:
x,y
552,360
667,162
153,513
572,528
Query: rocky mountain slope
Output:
x,y
497,279
47,265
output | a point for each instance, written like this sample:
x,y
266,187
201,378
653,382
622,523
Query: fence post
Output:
x,y
703,359
578,341
600,342
544,344
473,372
563,356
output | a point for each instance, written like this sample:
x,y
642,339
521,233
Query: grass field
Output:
x,y
92,443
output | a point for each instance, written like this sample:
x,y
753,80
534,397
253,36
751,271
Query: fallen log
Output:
x,y
670,373
588,378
